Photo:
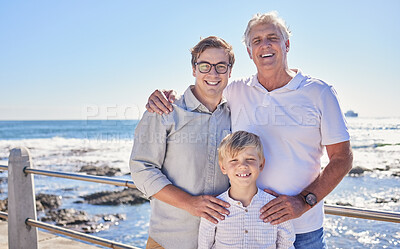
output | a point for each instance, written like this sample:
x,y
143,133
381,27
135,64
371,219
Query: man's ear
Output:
x,y
262,165
287,44
194,71
221,166
249,52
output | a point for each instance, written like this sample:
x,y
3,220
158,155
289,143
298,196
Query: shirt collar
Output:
x,y
238,203
290,86
192,103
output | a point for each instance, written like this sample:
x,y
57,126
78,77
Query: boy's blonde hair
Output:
x,y
234,143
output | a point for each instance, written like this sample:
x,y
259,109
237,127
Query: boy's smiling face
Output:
x,y
243,168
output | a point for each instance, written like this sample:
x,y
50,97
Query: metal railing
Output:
x,y
72,233
20,160
329,209
82,177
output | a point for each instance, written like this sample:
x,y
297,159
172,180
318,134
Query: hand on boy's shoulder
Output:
x,y
208,207
282,208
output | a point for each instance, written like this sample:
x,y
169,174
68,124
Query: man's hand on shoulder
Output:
x,y
283,208
160,101
208,207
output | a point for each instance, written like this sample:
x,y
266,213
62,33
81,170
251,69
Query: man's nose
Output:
x,y
266,42
213,70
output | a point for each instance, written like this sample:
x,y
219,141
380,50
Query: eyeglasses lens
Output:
x,y
221,68
205,67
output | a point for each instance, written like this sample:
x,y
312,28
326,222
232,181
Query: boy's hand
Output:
x,y
282,208
160,101
208,207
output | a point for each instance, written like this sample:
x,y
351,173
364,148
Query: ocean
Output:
x,y
69,145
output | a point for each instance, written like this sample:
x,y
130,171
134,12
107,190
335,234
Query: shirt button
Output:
x,y
246,210
239,203
245,231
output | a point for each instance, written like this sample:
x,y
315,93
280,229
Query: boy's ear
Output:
x,y
221,166
262,165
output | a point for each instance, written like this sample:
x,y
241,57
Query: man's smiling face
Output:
x,y
268,48
211,84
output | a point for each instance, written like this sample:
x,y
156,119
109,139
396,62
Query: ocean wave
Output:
x,y
374,145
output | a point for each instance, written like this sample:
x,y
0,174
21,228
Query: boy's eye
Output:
x,y
250,159
233,160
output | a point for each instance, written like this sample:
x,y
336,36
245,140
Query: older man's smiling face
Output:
x,y
268,48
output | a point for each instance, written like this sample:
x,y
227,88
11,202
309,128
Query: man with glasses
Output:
x,y
174,159
295,116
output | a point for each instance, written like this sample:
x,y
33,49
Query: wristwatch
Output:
x,y
309,198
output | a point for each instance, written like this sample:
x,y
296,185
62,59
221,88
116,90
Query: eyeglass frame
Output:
x,y
214,65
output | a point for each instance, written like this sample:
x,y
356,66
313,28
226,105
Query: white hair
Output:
x,y
266,18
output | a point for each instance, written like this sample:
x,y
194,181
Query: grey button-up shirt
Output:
x,y
179,148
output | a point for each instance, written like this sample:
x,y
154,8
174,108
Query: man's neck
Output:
x,y
274,79
210,103
243,194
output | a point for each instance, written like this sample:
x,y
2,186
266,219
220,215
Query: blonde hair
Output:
x,y
236,142
266,18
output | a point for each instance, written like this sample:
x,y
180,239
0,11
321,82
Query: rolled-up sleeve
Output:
x,y
148,154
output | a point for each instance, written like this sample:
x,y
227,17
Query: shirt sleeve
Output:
x,y
333,124
207,231
286,236
148,154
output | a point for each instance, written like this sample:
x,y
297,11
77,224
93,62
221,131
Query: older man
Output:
x,y
296,116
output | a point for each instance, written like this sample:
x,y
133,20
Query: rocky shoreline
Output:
x,y
48,206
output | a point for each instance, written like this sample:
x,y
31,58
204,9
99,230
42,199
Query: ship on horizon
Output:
x,y
351,113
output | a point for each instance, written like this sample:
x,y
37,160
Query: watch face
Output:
x,y
311,199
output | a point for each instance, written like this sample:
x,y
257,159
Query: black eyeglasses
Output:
x,y
205,67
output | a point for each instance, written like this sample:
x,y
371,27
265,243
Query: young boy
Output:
x,y
241,158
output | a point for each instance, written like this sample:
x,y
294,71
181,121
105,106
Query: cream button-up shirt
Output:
x,y
179,148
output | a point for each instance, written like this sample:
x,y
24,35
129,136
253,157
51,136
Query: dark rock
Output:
x,y
113,218
396,174
63,217
68,189
80,220
344,204
80,152
3,180
383,169
4,205
358,170
45,201
100,171
127,196
92,227
381,200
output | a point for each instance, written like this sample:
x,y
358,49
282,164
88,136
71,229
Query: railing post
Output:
x,y
21,201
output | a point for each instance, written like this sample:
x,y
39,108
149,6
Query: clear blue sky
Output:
x,y
69,59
